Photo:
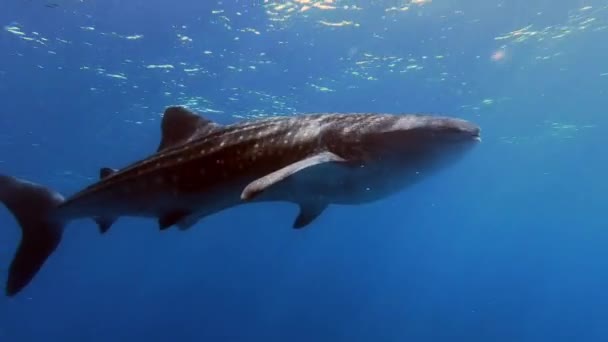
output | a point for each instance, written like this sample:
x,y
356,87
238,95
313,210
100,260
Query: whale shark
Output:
x,y
202,167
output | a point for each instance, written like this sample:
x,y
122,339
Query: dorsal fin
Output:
x,y
106,171
179,125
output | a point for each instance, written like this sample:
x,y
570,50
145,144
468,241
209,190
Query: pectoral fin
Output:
x,y
261,184
308,213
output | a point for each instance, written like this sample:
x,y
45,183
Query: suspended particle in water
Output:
x,y
498,55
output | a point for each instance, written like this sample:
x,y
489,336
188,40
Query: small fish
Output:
x,y
201,168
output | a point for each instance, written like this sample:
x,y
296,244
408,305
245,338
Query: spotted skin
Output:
x,y
230,157
191,176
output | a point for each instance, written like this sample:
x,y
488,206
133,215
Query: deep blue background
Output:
x,y
511,244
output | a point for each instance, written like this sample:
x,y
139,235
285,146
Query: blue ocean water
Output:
x,y
510,244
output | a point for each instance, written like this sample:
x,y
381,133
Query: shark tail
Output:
x,y
33,207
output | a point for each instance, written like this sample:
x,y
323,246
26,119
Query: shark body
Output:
x,y
201,168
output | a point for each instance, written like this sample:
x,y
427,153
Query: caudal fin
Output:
x,y
33,206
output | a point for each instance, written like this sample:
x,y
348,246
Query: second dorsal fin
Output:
x,y
180,125
106,172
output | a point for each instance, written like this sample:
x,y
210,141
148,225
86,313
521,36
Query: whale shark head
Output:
x,y
420,141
